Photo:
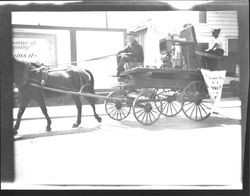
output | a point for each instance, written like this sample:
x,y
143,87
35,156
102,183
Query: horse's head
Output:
x,y
18,68
21,70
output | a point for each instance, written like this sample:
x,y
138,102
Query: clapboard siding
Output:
x,y
227,21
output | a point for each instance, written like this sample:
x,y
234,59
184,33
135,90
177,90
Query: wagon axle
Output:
x,y
148,107
171,98
118,105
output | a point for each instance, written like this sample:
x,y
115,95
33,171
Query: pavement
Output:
x,y
32,113
173,153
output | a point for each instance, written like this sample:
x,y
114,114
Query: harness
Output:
x,y
44,71
25,78
44,75
86,77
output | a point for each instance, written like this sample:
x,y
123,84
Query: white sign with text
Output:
x,y
214,81
36,50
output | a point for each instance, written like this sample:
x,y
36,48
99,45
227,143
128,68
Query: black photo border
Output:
x,y
7,145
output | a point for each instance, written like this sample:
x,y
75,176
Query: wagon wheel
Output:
x,y
171,101
196,103
117,109
147,107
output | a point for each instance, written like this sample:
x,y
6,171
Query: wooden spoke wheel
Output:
x,y
171,102
196,103
117,109
147,107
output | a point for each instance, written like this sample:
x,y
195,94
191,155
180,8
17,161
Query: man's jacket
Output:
x,y
135,50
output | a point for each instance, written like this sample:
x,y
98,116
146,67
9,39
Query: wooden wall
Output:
x,y
227,21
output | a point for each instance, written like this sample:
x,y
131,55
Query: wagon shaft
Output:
x,y
78,93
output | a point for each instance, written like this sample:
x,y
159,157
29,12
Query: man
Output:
x,y
132,53
216,48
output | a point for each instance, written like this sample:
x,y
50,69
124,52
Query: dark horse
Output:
x,y
74,79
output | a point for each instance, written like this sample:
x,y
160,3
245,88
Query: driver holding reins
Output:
x,y
132,53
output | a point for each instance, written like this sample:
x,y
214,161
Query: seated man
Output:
x,y
216,48
132,53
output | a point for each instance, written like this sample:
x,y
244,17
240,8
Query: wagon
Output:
x,y
152,92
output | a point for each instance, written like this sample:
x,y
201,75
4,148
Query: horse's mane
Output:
x,y
35,65
28,64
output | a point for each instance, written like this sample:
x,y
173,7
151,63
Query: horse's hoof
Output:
x,y
75,125
99,119
48,129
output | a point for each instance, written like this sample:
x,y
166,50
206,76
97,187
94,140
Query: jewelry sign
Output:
x,y
36,48
214,81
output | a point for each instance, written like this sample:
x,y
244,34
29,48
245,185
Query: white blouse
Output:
x,y
218,42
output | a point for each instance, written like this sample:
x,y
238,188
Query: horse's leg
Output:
x,y
79,110
24,103
92,103
42,105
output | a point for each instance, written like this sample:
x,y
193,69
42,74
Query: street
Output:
x,y
173,153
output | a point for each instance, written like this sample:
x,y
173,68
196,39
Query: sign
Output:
x,y
36,48
214,81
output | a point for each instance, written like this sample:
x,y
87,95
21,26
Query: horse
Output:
x,y
75,78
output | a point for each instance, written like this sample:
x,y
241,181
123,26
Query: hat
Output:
x,y
214,30
187,25
132,33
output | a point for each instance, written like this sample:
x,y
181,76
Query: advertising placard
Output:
x,y
214,81
36,48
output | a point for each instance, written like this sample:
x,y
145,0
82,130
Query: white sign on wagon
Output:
x,y
214,81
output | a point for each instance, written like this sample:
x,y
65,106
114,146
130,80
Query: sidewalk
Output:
x,y
32,113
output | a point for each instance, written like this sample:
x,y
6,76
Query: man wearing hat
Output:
x,y
132,53
216,48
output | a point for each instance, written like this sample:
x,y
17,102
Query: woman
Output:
x,y
216,48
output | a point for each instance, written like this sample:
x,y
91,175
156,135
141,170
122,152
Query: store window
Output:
x,y
46,46
94,44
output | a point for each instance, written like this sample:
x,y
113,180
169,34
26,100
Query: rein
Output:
x,y
92,59
50,69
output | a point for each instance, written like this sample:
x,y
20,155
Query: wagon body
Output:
x,y
141,77
151,92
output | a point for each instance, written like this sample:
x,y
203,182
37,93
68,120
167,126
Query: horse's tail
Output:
x,y
92,81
